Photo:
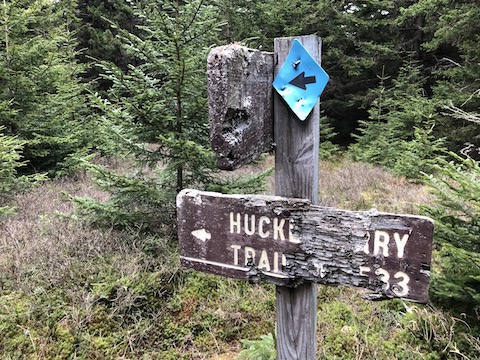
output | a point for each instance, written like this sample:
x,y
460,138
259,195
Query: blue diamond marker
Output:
x,y
300,81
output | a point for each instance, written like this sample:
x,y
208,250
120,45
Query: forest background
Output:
x,y
103,119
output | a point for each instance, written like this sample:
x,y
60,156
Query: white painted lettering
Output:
x,y
276,268
366,248
235,223
278,225
235,253
384,277
251,230
381,241
401,288
261,223
263,263
249,254
321,271
364,270
401,242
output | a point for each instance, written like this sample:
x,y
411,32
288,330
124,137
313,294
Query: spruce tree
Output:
x,y
97,38
358,40
41,83
399,133
450,46
156,111
456,276
10,163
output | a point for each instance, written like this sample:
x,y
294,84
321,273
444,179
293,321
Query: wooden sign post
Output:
x,y
296,176
287,239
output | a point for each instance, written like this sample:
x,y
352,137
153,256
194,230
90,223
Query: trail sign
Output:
x,y
240,104
287,242
300,81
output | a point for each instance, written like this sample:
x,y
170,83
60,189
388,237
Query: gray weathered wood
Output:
x,y
246,237
240,104
297,142
296,175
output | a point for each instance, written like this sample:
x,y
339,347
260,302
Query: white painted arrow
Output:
x,y
202,234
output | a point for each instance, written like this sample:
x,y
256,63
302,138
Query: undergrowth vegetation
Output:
x,y
103,107
69,290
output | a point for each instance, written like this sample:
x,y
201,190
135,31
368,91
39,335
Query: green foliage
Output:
x,y
450,48
245,184
399,133
263,349
10,149
10,163
68,290
138,202
156,114
358,39
457,227
98,38
327,133
40,82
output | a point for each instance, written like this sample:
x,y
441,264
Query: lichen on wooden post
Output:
x,y
240,104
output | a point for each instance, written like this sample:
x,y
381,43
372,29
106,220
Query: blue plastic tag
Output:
x,y
300,81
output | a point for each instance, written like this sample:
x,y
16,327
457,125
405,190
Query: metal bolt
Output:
x,y
296,63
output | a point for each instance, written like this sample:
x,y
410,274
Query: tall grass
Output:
x,y
68,290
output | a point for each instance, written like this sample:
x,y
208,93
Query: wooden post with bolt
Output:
x,y
296,176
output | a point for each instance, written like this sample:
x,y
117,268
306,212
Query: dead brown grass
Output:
x,y
40,251
360,186
355,186
41,244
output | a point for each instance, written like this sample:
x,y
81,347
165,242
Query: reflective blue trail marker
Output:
x,y
300,81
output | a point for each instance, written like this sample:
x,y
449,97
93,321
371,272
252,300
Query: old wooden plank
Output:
x,y
240,104
296,175
297,142
287,241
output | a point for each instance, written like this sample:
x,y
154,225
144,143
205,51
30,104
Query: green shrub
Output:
x,y
399,133
10,163
456,276
263,349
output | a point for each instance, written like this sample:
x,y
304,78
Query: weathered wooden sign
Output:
x,y
240,104
288,242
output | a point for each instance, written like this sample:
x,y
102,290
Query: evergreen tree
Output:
x,y
399,133
451,48
359,39
157,113
40,82
10,163
456,276
97,38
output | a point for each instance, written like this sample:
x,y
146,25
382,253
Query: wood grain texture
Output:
x,y
296,175
297,142
240,104
288,241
